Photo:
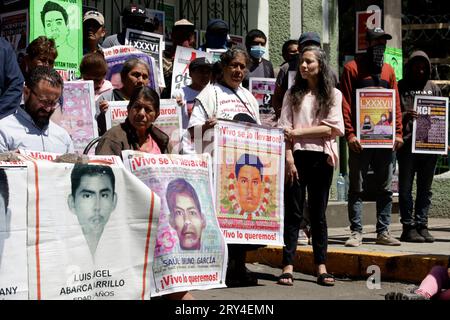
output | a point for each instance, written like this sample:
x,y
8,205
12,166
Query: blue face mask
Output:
x,y
257,51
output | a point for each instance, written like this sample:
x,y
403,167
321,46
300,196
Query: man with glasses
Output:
x,y
30,126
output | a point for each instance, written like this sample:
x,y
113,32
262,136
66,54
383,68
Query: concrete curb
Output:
x,y
407,267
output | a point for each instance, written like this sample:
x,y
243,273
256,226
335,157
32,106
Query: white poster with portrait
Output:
x,y
191,252
91,232
13,231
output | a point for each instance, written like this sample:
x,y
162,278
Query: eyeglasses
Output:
x,y
47,103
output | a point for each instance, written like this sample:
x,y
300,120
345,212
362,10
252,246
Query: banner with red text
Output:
x,y
190,250
91,232
249,182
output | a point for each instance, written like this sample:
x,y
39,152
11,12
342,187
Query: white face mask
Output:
x,y
257,51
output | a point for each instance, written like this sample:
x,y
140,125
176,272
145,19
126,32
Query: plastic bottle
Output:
x,y
340,186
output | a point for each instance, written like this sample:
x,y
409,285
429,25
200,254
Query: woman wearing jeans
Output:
x,y
312,118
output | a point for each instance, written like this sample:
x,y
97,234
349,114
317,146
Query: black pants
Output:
x,y
315,176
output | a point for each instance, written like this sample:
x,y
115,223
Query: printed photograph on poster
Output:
x,y
149,43
190,246
180,75
365,20
169,11
87,212
13,231
77,114
115,58
249,186
60,20
14,28
394,57
157,19
263,89
375,113
430,129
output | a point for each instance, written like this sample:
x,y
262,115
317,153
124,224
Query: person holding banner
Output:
x,y
416,82
227,99
138,131
93,67
369,71
312,118
40,52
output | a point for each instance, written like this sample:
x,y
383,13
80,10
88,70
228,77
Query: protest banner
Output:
x,y
157,19
115,58
149,43
180,75
263,89
13,231
369,19
375,116
77,114
249,182
430,129
60,20
116,114
216,53
238,40
169,14
15,30
170,121
394,57
191,252
91,232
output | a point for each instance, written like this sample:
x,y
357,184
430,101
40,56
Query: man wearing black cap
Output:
x,y
183,35
216,35
133,17
369,71
281,85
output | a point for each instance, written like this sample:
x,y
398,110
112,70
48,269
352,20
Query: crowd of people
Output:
x,y
316,108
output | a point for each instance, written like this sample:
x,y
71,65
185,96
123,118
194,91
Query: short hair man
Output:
x,y
30,126
186,215
55,22
93,31
369,70
5,213
249,180
92,200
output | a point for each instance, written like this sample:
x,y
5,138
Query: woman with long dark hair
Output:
x,y
312,119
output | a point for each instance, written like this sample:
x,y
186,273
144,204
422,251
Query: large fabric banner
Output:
x,y
149,43
430,130
249,182
60,20
263,89
91,232
183,57
190,250
77,114
116,57
13,231
375,114
15,30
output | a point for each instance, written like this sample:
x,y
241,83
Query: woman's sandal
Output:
x,y
286,276
321,279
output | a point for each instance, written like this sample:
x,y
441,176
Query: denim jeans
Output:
x,y
380,161
410,164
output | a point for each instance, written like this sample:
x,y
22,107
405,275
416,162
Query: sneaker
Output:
x,y
302,238
386,239
404,296
423,231
411,235
355,239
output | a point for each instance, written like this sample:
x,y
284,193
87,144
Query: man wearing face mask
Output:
x,y
256,41
369,71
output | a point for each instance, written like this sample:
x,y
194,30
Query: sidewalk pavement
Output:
x,y
409,262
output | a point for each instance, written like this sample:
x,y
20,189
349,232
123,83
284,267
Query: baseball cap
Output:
x,y
183,24
134,11
199,62
377,33
94,15
217,25
309,37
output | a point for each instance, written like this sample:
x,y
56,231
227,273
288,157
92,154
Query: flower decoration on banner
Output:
x,y
165,241
235,206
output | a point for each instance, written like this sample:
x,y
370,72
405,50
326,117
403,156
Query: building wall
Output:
x,y
279,28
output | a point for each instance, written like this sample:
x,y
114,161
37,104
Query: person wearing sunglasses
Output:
x,y
30,126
